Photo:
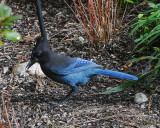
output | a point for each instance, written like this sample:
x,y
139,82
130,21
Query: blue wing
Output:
x,y
76,65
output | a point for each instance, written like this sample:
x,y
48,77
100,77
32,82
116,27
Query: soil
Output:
x,y
31,99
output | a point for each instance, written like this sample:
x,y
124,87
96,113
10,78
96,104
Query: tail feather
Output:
x,y
115,74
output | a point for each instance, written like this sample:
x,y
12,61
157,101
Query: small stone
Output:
x,y
59,14
120,106
44,13
20,69
93,87
81,39
113,56
18,57
44,116
5,88
89,124
5,70
1,54
94,100
8,57
36,69
1,81
152,126
143,106
140,98
64,114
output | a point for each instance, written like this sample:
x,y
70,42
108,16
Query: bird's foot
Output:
x,y
62,101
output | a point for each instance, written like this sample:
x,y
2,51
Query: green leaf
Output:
x,y
5,11
141,37
137,40
134,30
152,5
12,35
140,23
154,56
140,16
6,24
149,42
141,58
130,1
1,43
148,84
157,49
122,87
14,18
155,14
0,19
150,35
156,71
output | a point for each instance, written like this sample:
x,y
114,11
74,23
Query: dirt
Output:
x,y
32,99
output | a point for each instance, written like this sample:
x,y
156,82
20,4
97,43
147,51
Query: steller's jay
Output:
x,y
64,69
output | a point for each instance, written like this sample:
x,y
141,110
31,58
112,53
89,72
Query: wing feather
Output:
x,y
77,65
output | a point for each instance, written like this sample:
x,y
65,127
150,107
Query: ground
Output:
x,y
32,103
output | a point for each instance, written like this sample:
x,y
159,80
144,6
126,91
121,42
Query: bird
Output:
x,y
64,69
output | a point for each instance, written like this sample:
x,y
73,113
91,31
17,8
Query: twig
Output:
x,y
15,119
150,102
67,36
126,123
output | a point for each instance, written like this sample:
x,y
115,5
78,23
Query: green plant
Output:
x,y
130,1
147,27
6,20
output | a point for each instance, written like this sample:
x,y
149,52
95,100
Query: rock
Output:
x,y
140,98
8,57
143,106
5,70
1,81
20,69
152,126
36,69
93,87
44,13
81,39
94,100
44,116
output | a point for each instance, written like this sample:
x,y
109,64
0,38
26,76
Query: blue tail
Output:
x,y
115,74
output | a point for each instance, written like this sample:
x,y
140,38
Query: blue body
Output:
x,y
73,76
73,71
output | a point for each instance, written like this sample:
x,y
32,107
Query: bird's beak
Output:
x,y
31,63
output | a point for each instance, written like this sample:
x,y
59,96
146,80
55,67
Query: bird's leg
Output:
x,y
73,90
63,100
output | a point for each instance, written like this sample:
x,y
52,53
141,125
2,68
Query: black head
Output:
x,y
39,52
